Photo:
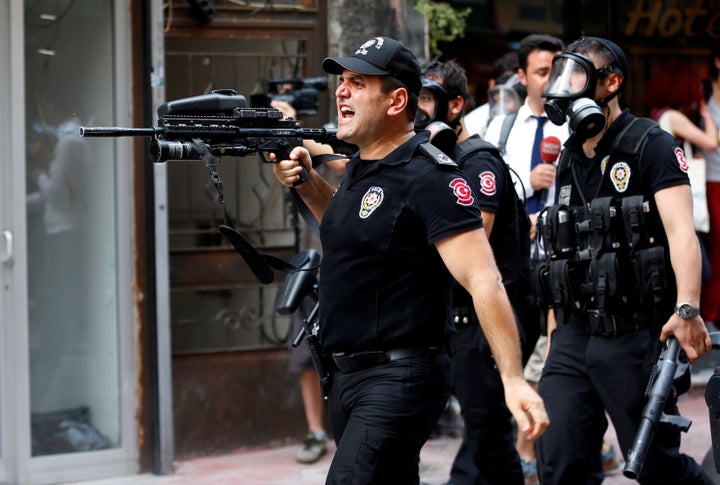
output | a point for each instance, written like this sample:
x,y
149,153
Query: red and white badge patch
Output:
x,y
462,191
487,183
682,161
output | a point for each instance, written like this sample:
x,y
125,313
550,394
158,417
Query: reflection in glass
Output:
x,y
71,229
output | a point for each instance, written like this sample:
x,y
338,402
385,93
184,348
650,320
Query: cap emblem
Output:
x,y
377,41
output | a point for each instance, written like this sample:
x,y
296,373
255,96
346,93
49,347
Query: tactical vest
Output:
x,y
608,268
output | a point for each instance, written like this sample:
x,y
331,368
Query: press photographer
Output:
x,y
301,93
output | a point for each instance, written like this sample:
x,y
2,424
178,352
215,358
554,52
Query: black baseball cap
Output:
x,y
380,56
618,55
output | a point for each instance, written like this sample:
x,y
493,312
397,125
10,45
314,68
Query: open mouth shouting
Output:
x,y
346,113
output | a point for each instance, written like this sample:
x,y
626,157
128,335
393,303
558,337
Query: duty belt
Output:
x,y
355,361
610,326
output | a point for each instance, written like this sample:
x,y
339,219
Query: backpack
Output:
x,y
524,298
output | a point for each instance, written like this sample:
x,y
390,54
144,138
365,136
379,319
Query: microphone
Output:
x,y
550,147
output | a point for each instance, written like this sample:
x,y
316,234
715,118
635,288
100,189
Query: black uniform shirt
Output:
x,y
383,283
663,165
496,194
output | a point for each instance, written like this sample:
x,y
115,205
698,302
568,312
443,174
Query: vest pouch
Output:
x,y
566,279
634,211
603,227
650,273
609,299
556,228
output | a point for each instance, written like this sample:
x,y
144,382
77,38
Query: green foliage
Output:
x,y
445,22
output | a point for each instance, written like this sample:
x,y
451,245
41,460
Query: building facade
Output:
x,y
131,332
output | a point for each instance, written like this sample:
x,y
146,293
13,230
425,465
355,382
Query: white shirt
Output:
x,y
712,158
476,121
519,145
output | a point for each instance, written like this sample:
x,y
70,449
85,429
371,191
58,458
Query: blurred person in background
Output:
x,y
675,99
477,120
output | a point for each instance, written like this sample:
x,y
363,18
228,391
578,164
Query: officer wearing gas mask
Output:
x,y
622,274
487,454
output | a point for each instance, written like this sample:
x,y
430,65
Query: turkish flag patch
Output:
x,y
682,161
487,183
462,191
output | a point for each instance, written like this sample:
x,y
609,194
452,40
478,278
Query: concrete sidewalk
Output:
x,y
278,466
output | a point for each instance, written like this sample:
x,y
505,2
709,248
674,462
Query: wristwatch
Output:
x,y
686,311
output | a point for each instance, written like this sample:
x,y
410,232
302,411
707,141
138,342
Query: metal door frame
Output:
x,y
16,463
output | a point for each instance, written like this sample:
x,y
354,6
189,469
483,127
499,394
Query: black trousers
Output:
x,y
487,454
382,416
586,376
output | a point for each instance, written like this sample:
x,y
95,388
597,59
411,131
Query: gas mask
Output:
x,y
504,98
570,94
442,135
436,93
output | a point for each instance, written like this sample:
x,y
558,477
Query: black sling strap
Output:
x,y
260,264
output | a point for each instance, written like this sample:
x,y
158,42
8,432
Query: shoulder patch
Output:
x,y
487,183
682,161
437,155
462,191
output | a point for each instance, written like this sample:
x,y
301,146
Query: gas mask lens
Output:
x,y
568,77
432,104
504,99
426,109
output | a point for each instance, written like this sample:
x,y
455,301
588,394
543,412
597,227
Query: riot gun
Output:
x,y
672,365
222,123
298,286
218,124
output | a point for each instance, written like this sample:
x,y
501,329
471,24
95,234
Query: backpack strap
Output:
x,y
472,145
631,140
507,125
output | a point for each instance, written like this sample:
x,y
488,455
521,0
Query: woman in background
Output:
x,y
676,101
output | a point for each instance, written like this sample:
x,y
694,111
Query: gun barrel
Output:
x,y
317,134
653,410
113,131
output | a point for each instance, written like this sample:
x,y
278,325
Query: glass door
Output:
x,y
8,241
71,230
77,237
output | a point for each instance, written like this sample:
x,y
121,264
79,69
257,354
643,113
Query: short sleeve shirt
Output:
x,y
662,165
383,284
496,194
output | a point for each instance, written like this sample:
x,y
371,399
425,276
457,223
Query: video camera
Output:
x,y
301,93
